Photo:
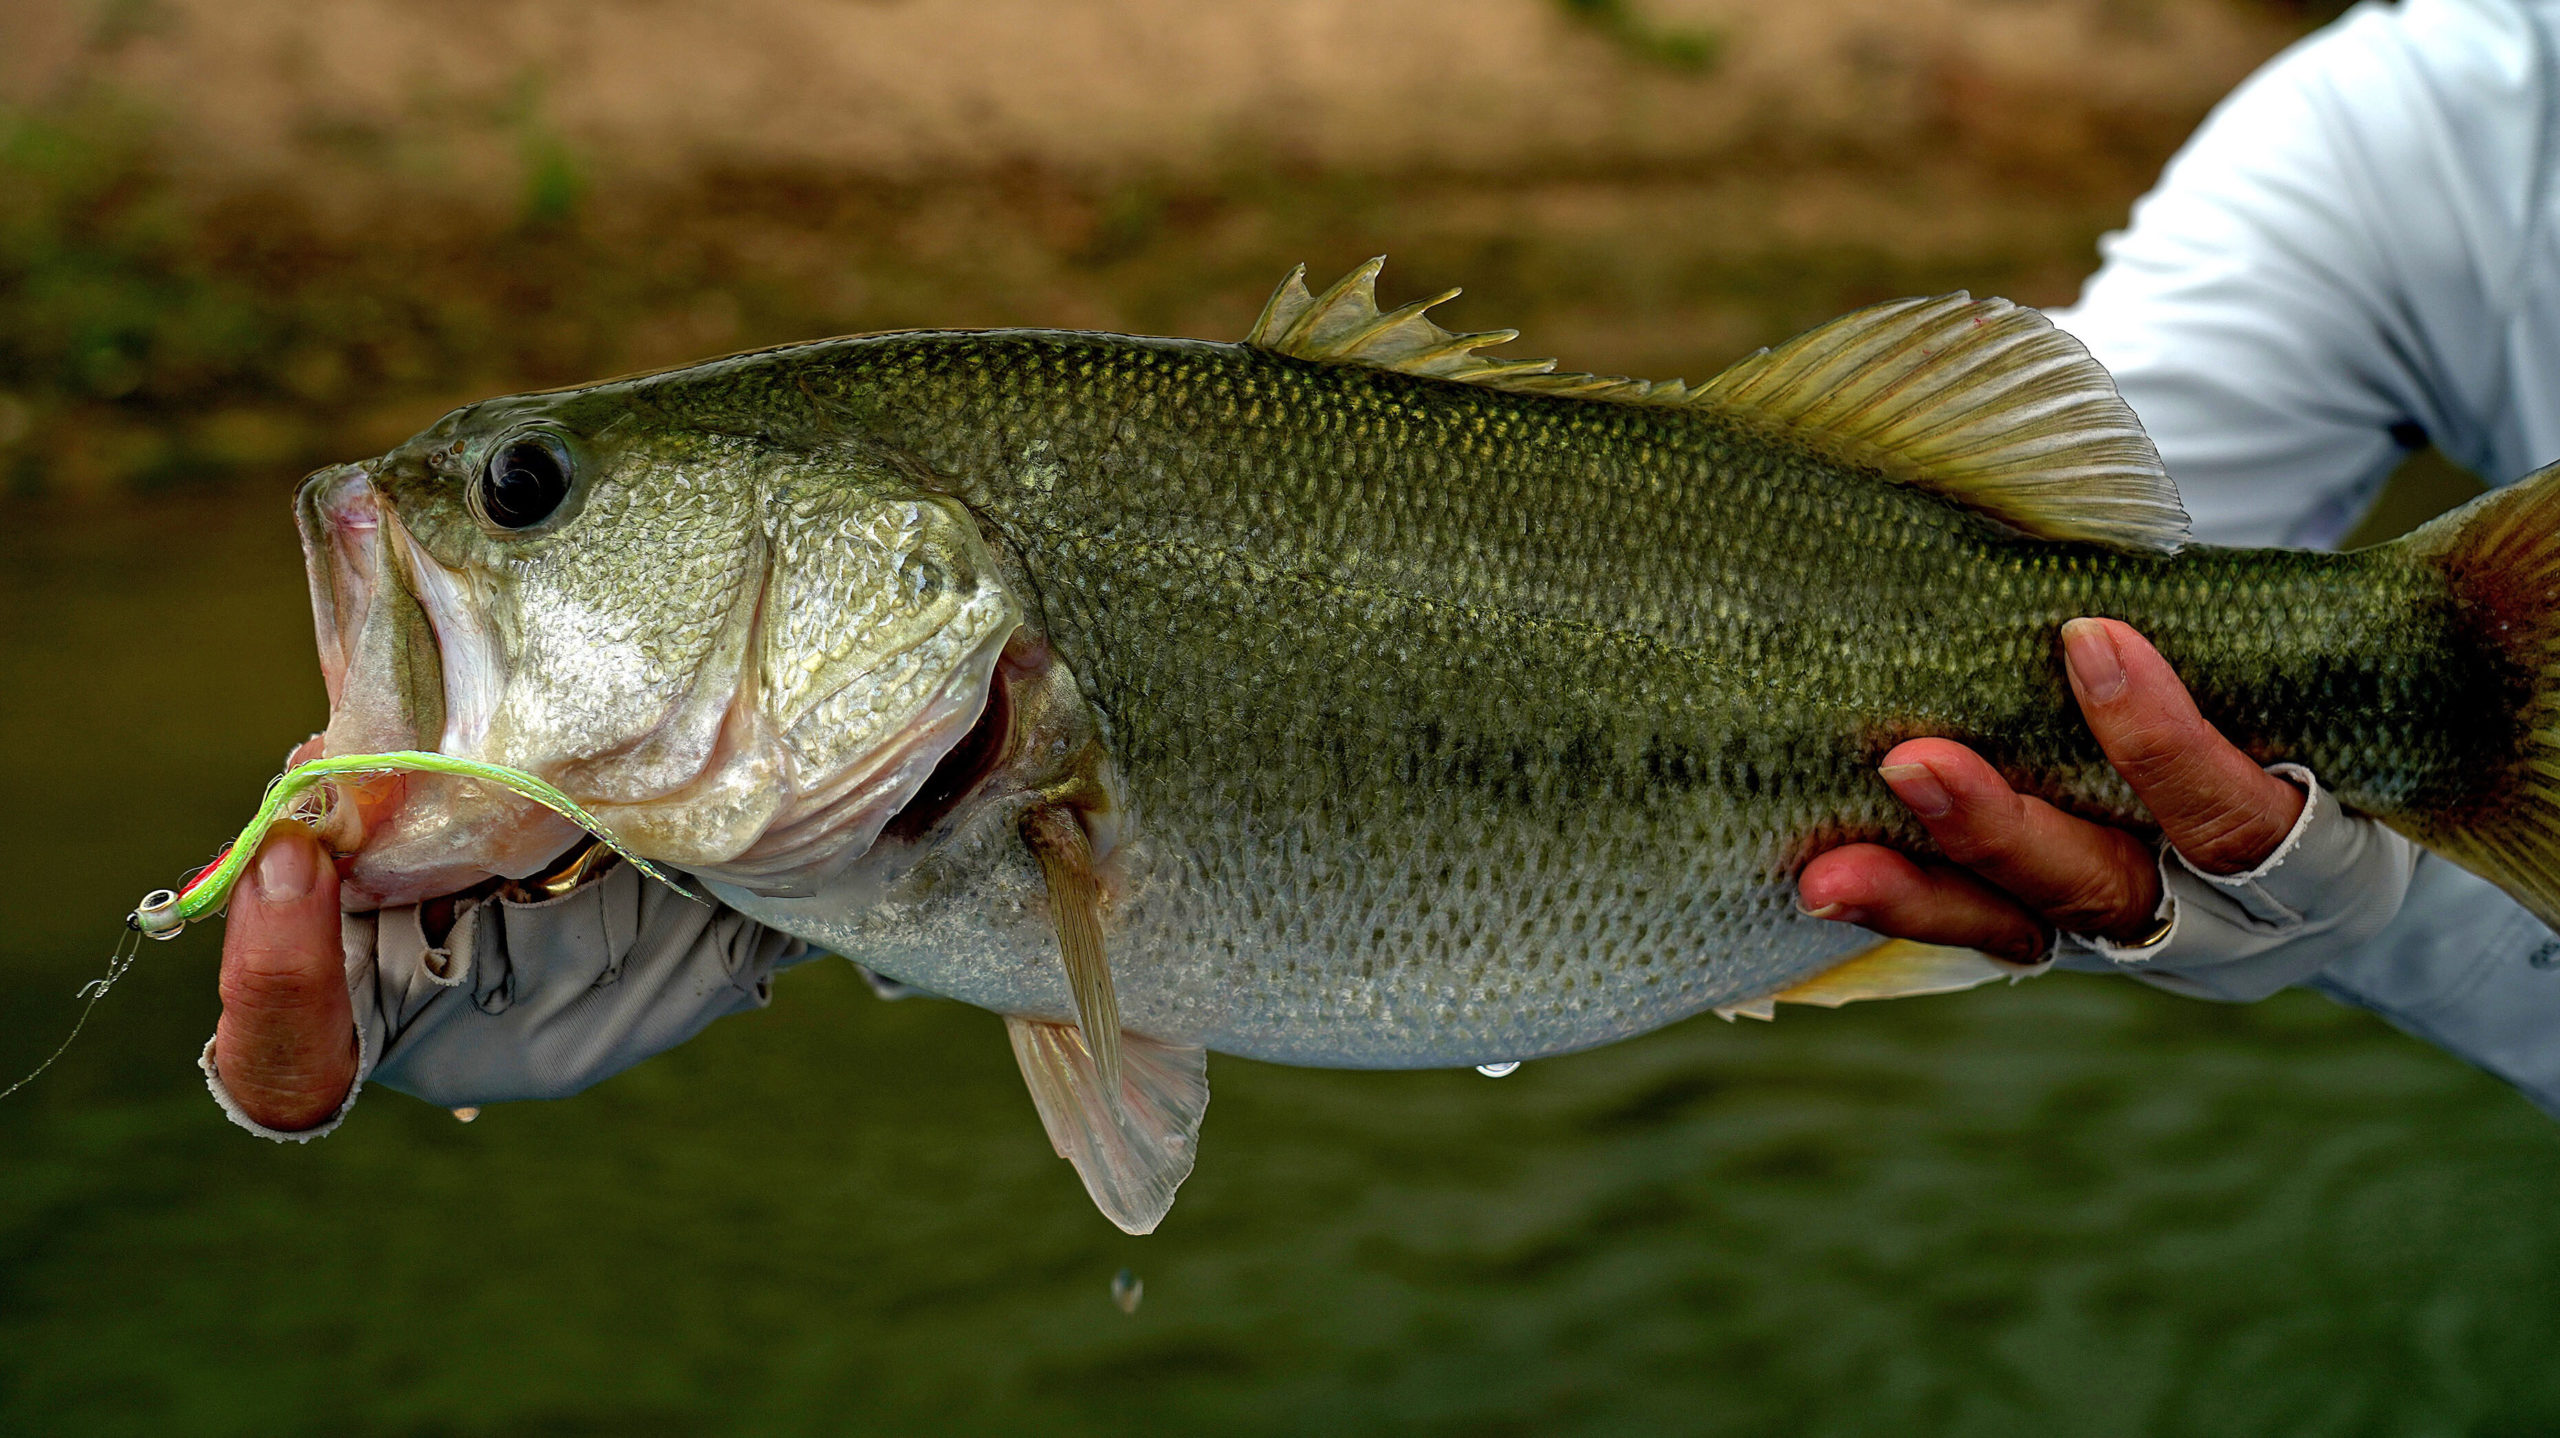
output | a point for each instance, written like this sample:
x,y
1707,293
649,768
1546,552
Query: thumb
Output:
x,y
2222,811
285,1045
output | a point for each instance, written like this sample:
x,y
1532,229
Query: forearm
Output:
x,y
2463,967
2331,884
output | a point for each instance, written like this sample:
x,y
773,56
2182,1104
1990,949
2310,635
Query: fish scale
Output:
x,y
1347,697
1639,724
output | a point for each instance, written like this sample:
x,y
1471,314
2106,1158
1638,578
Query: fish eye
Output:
x,y
523,482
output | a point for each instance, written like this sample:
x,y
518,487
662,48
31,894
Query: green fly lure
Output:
x,y
165,913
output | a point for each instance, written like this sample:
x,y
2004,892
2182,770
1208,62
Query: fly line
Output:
x,y
164,913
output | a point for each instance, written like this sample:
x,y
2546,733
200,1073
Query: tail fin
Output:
x,y
2502,554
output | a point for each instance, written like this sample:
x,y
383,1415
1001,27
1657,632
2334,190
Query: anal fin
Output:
x,y
1132,1147
1894,969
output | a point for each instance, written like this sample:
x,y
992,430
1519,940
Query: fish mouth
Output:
x,y
975,757
413,661
406,666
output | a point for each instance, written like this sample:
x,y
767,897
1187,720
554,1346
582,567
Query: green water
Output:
x,y
2070,1207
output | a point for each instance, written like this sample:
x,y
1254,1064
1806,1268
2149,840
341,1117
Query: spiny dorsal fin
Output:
x,y
1075,910
1894,969
1977,400
1133,1142
1345,326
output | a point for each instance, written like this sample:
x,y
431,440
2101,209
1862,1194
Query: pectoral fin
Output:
x,y
1132,1147
1894,969
1075,908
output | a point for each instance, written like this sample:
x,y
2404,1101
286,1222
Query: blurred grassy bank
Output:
x,y
1654,190
147,338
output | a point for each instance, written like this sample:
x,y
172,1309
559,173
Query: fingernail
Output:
x,y
2091,652
1914,785
286,867
1840,912
2031,952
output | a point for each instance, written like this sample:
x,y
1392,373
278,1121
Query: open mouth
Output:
x,y
401,838
413,663
340,525
377,650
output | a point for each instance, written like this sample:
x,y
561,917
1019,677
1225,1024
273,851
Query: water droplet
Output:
x,y
466,1114
888,989
1500,1070
1126,1289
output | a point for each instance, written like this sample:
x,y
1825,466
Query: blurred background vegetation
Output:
x,y
240,238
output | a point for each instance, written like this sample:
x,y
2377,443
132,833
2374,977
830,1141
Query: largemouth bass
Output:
x,y
1346,696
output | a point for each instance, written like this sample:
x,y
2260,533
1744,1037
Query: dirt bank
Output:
x,y
248,236
915,88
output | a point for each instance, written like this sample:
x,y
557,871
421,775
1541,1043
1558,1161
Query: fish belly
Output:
x,y
1342,936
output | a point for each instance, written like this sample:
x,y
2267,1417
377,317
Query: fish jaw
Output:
x,y
389,622
796,726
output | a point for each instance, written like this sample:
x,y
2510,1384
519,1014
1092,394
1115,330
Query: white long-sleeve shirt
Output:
x,y
539,998
2362,245
2361,239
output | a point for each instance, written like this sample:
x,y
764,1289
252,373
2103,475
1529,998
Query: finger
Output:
x,y
1873,886
285,1045
2222,811
2085,878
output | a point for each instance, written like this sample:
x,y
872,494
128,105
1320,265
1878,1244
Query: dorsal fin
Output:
x,y
1345,326
1980,401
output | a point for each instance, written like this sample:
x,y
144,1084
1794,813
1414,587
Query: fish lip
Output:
x,y
338,514
417,836
468,660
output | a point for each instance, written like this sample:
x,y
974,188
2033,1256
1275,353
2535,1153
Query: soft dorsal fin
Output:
x,y
1132,1144
1980,401
1894,969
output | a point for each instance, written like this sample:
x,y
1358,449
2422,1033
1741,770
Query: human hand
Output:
x,y
2021,868
285,1045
